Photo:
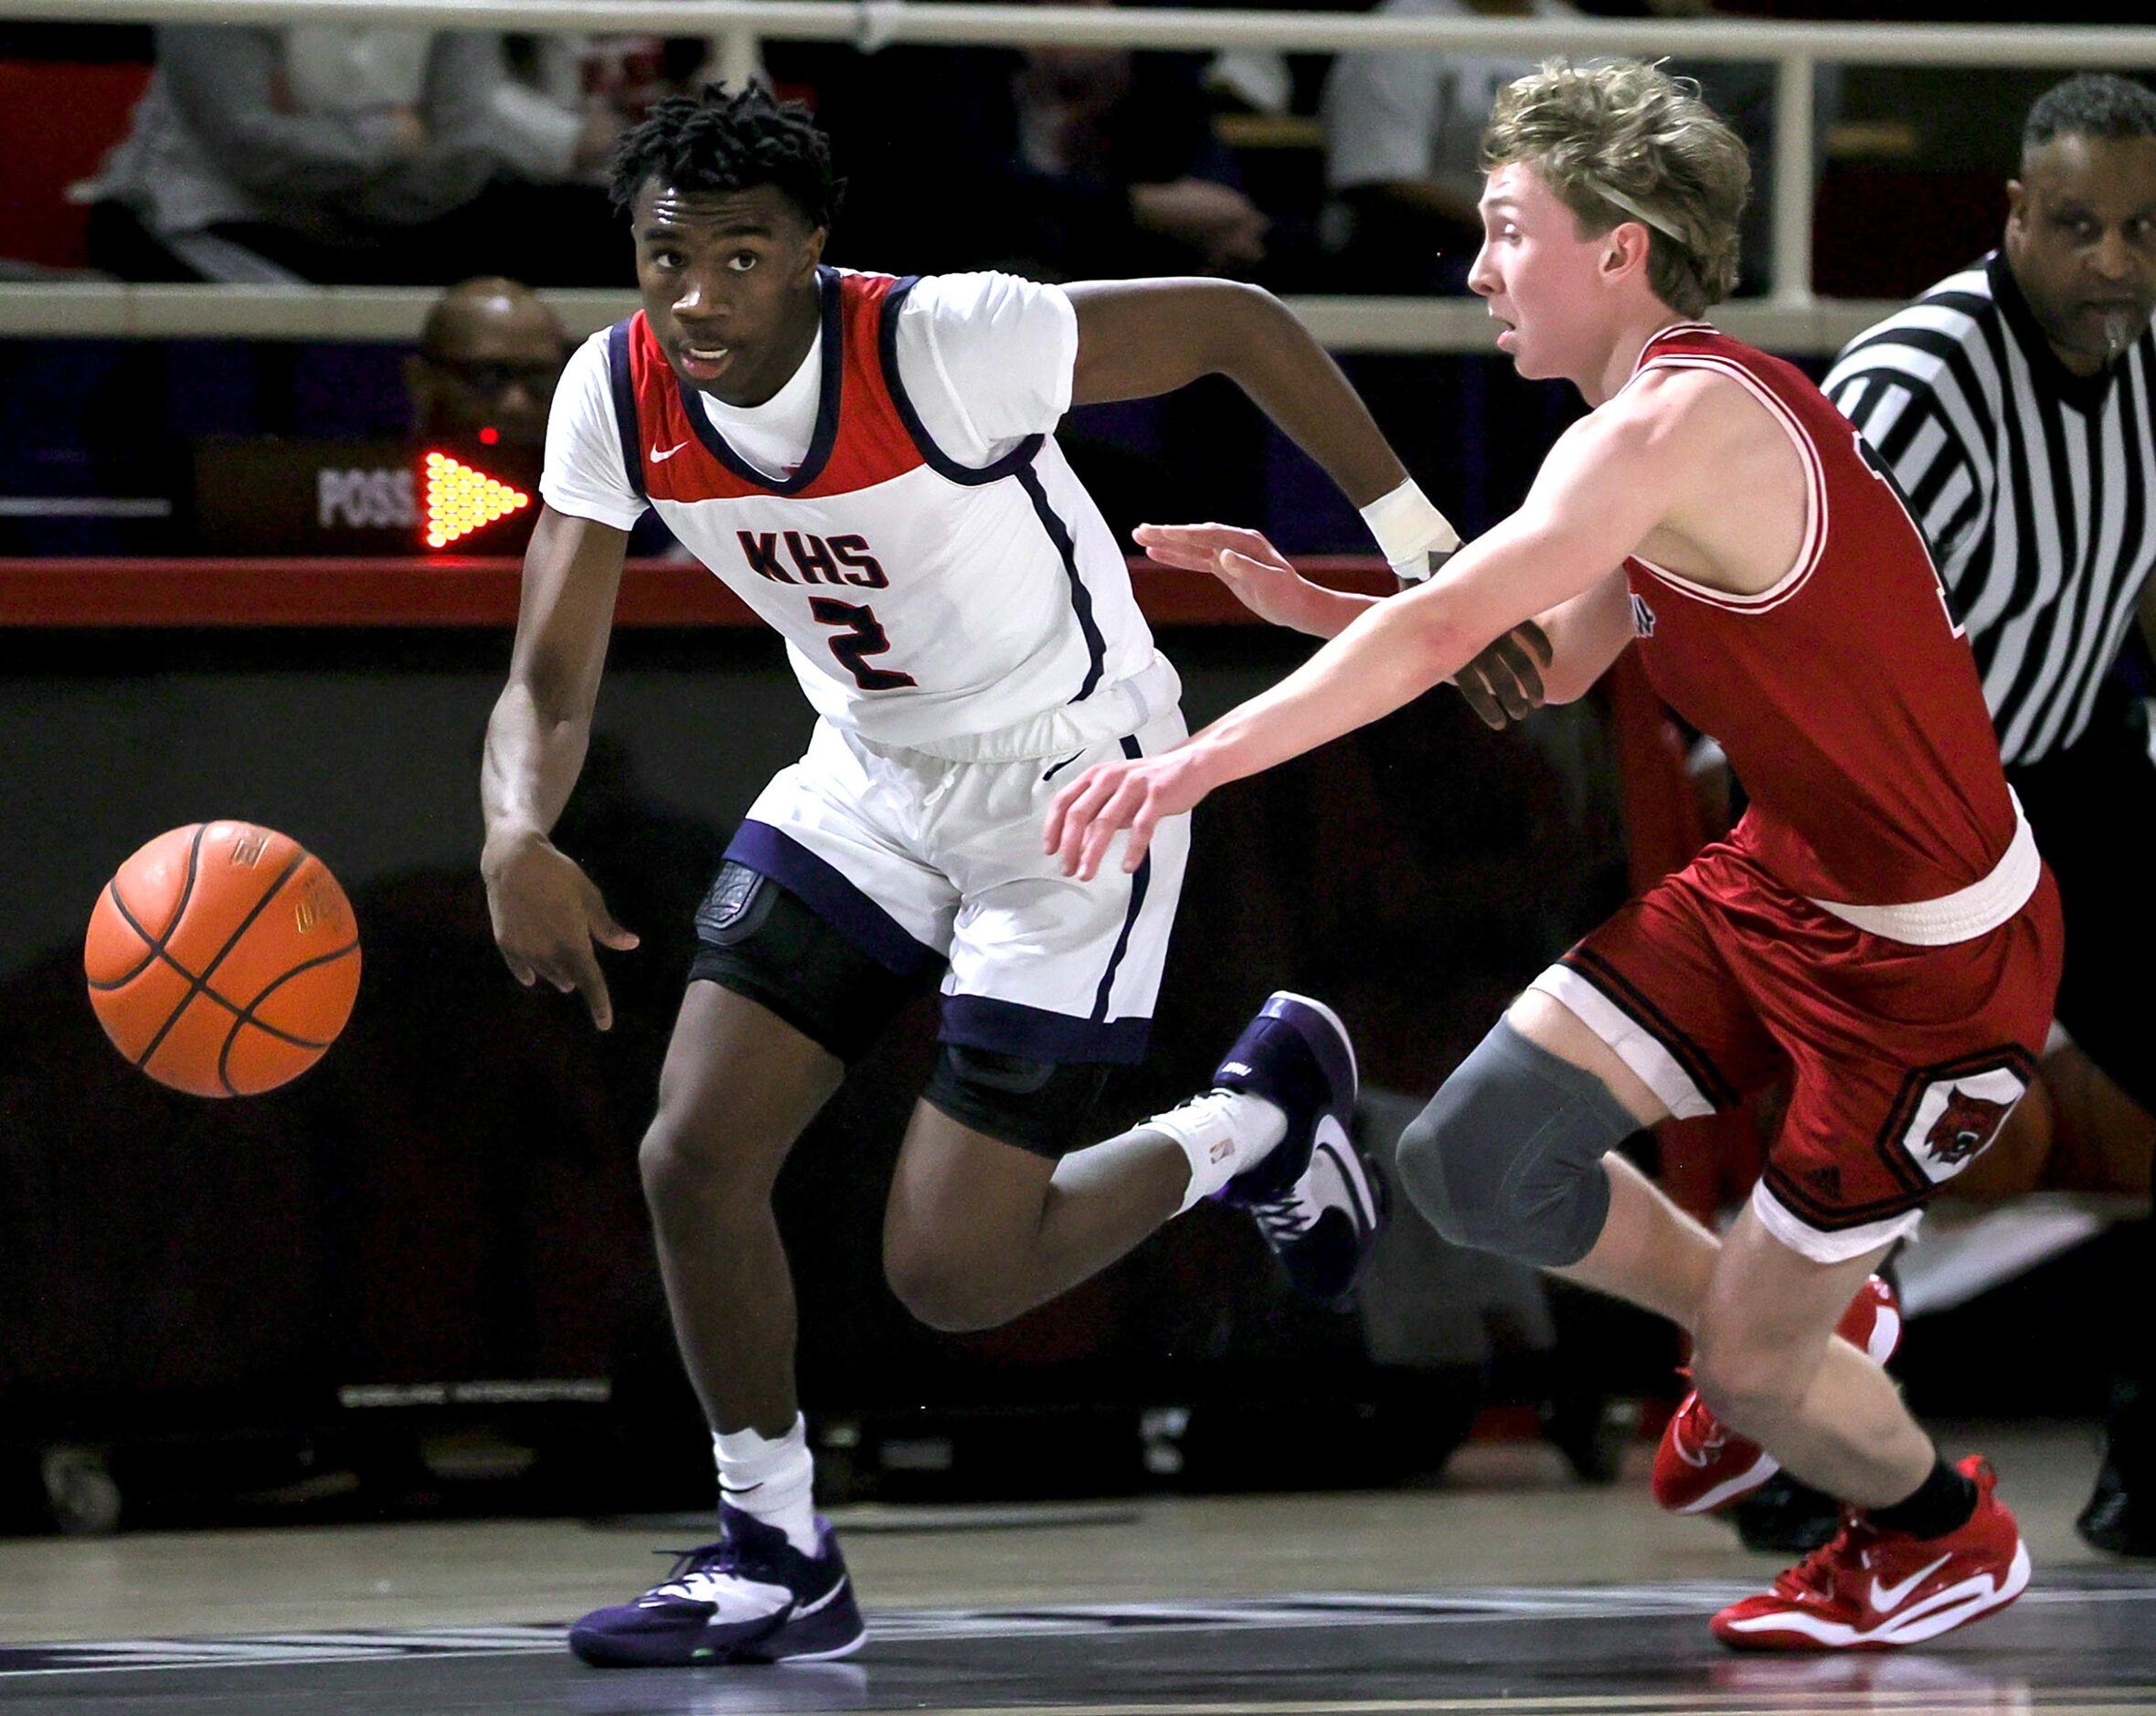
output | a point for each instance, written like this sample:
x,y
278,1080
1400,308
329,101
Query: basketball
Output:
x,y
223,958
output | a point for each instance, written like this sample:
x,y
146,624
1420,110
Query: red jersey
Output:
x,y
1845,697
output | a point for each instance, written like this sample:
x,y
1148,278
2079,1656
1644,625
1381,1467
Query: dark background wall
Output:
x,y
450,1195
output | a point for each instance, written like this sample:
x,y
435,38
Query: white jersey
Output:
x,y
900,512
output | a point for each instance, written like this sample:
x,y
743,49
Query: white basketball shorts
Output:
x,y
917,857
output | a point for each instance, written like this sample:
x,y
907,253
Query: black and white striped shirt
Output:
x,y
2034,486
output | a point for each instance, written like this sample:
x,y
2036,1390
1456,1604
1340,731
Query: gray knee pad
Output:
x,y
1508,1155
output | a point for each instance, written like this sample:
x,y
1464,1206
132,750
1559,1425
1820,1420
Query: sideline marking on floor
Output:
x,y
1286,1614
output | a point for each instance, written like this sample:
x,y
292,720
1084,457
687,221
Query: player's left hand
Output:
x,y
1255,572
1135,795
1503,683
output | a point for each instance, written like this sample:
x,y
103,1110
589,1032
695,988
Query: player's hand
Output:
x,y
547,914
1255,572
1503,683
1108,796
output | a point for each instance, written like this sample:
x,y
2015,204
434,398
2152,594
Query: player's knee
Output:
x,y
1507,1157
1749,1377
952,1293
685,1160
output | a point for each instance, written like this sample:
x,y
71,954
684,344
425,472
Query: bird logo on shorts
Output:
x,y
1964,1127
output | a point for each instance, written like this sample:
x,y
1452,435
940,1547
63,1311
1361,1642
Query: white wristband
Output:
x,y
1409,530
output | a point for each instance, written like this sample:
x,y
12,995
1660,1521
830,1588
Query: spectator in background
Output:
x,y
2011,404
327,153
1743,93
1057,165
1402,164
567,96
1402,132
1403,150
1054,162
489,358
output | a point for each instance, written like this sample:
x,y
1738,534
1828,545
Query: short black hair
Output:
x,y
2092,104
729,140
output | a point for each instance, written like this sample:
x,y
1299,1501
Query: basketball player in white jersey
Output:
x,y
870,464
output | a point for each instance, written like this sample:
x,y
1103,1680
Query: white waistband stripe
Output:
x,y
1964,915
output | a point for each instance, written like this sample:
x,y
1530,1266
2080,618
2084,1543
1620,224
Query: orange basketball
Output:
x,y
222,959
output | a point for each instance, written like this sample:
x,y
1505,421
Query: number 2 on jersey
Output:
x,y
864,637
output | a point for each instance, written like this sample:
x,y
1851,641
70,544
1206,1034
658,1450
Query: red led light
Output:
x,y
461,498
489,436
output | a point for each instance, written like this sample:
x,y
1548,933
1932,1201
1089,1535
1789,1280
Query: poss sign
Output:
x,y
265,496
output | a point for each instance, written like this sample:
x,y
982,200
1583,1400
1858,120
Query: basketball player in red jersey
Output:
x,y
1878,929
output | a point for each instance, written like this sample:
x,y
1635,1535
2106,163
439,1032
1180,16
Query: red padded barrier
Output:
x,y
57,120
474,590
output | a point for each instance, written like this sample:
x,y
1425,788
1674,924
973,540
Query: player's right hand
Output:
x,y
1255,572
547,914
1503,683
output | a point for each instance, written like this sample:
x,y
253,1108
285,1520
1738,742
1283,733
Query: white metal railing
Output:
x,y
741,25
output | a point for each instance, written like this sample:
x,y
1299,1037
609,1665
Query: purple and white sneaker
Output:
x,y
751,1596
1316,1196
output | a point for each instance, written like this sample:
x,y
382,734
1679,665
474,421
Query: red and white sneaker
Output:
x,y
1872,1590
1703,1466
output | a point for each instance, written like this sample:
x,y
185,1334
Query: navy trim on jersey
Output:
x,y
981,1021
940,461
624,391
1081,598
1140,879
831,341
1018,462
825,890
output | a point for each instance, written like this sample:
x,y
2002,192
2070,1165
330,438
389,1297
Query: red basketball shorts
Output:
x,y
1902,1061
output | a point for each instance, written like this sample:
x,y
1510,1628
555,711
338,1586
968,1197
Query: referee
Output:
x,y
2015,403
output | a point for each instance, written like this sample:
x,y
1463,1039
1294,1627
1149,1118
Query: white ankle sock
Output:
x,y
1222,1132
771,1479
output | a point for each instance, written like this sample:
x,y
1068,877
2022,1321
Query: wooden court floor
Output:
x,y
1508,1588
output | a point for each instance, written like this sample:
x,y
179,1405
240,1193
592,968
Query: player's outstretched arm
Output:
x,y
1138,338
1510,679
1605,485
546,912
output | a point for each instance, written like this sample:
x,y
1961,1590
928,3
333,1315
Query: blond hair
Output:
x,y
1625,141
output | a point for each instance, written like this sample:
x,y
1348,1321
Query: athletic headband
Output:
x,y
1619,199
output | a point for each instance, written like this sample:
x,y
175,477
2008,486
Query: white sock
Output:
x,y
1222,1132
771,1479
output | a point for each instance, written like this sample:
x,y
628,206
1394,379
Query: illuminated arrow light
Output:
x,y
461,499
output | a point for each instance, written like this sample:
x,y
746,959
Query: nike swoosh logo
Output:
x,y
1707,1447
1333,1142
659,457
826,1601
1060,766
1885,1599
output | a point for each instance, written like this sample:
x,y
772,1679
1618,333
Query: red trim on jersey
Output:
x,y
1816,516
868,446
1847,703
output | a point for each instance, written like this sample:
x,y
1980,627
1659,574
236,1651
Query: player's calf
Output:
x,y
1703,1466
